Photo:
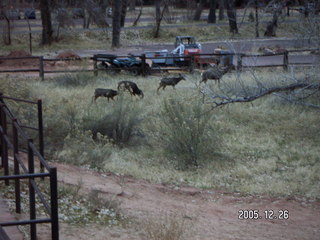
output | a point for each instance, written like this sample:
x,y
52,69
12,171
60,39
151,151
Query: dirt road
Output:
x,y
212,214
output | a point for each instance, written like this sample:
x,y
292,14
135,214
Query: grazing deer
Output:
x,y
131,87
170,81
215,74
102,92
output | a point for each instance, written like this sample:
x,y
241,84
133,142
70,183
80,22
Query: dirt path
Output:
x,y
212,214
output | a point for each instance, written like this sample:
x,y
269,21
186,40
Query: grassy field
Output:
x,y
268,147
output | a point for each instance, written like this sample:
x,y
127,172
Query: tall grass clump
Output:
x,y
73,80
168,227
120,123
186,133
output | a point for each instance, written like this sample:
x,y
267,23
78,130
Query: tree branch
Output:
x,y
227,100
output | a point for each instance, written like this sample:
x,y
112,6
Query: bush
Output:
x,y
186,133
79,149
120,124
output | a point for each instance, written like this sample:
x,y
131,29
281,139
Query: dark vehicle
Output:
x,y
77,13
30,13
112,63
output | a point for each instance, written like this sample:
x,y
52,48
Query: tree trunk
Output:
x,y
132,5
257,18
221,10
272,26
46,22
158,18
116,23
123,12
199,9
7,38
212,13
232,16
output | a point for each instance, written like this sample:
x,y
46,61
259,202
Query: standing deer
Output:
x,y
102,92
215,74
131,87
170,81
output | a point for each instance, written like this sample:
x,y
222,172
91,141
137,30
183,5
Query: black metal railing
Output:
x,y
12,139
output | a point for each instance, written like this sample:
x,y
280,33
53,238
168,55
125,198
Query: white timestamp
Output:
x,y
268,214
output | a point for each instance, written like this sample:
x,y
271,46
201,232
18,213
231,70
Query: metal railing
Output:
x,y
11,140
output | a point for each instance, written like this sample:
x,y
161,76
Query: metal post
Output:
x,y
40,126
16,165
32,197
54,204
192,63
1,137
4,146
143,64
285,60
41,69
95,66
239,62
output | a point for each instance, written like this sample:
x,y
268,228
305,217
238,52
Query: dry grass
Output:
x,y
166,227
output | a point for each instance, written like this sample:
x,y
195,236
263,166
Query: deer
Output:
x,y
170,81
215,74
103,92
131,87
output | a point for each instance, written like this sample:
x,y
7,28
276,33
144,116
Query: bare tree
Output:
x,y
123,11
46,22
221,9
199,10
159,14
132,5
135,22
212,13
116,23
232,16
277,7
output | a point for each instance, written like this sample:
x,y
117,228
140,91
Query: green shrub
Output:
x,y
120,124
186,133
79,149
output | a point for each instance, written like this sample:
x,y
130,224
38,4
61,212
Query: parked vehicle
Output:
x,y
186,46
113,63
77,13
30,13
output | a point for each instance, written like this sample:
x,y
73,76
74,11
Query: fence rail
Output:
x,y
144,59
10,138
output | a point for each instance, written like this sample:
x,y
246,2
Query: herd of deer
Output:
x,y
212,74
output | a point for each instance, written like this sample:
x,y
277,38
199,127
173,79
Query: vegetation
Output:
x,y
268,147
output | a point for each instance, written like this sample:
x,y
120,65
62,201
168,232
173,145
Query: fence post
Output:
x,y
143,64
285,60
95,66
239,62
4,146
16,165
54,204
32,197
192,63
40,127
41,70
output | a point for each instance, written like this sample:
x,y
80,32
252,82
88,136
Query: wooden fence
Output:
x,y
241,60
